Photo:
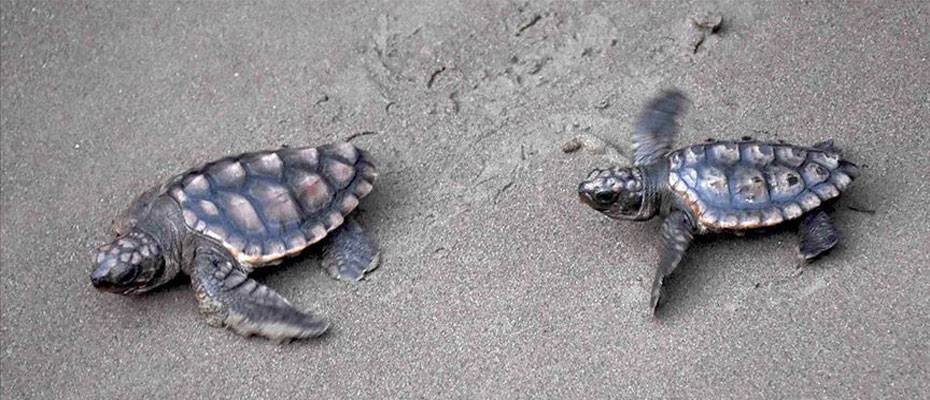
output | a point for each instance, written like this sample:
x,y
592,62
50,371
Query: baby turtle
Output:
x,y
718,186
218,221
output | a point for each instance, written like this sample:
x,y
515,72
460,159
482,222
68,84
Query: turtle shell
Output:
x,y
266,205
749,184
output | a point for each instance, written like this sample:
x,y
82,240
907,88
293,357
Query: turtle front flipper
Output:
x,y
656,129
818,234
230,298
677,233
350,253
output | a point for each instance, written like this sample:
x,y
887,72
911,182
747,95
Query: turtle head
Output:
x,y
618,193
133,263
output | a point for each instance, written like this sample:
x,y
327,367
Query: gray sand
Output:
x,y
496,282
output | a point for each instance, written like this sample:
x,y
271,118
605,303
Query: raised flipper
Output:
x,y
656,129
349,252
677,233
230,298
818,234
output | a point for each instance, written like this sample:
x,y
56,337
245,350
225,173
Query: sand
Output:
x,y
495,282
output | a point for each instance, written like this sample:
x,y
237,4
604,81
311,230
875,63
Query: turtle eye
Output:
x,y
605,196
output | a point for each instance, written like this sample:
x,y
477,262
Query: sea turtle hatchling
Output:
x,y
218,221
718,186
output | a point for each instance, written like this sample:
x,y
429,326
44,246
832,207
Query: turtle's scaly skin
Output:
x,y
264,206
738,185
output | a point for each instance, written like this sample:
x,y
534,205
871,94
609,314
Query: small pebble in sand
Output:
x,y
596,146
700,26
710,21
572,145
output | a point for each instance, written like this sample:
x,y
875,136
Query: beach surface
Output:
x,y
495,281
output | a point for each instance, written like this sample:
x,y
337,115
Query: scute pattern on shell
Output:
x,y
733,185
266,205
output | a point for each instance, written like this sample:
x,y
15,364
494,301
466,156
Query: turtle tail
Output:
x,y
828,145
846,167
849,168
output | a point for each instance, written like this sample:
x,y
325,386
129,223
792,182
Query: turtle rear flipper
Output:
x,y
230,298
818,234
350,252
